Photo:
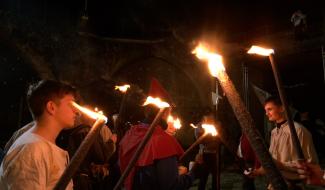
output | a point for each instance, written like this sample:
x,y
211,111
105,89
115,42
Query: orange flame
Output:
x,y
208,128
88,112
156,101
214,60
176,122
260,51
123,88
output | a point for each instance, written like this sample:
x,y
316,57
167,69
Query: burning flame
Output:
x,y
260,51
208,128
156,101
214,60
176,122
123,88
91,114
192,125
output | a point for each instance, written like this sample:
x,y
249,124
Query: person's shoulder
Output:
x,y
34,149
300,127
36,146
26,154
273,130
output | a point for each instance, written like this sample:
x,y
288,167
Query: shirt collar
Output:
x,y
278,125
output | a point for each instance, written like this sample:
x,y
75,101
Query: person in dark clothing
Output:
x,y
157,166
246,152
207,153
93,173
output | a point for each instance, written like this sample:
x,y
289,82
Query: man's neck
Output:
x,y
47,129
280,122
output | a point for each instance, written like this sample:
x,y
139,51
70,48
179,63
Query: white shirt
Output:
x,y
281,147
33,163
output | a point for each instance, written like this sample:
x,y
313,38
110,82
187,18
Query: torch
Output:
x,y
175,125
294,136
208,129
160,104
245,120
117,126
84,147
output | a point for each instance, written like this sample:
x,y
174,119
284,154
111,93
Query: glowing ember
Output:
x,y
123,88
176,122
214,60
192,125
260,51
208,128
156,101
91,114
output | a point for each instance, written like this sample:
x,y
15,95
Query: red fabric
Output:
x,y
158,91
248,152
161,145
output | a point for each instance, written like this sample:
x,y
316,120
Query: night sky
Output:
x,y
240,22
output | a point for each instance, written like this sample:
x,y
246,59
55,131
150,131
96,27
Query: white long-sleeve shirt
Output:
x,y
32,163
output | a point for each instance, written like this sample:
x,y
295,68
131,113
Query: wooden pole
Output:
x,y
294,136
80,155
218,142
247,124
197,142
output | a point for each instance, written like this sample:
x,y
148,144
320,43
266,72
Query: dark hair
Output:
x,y
150,112
40,93
273,99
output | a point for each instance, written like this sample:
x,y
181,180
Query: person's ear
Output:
x,y
50,107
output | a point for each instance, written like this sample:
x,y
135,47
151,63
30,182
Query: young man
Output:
x,y
34,161
281,146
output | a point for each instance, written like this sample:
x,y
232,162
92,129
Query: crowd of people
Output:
x,y
37,154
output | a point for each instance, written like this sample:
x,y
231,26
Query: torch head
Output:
x,y
123,88
89,113
214,60
260,51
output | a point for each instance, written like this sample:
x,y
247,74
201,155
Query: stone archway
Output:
x,y
184,88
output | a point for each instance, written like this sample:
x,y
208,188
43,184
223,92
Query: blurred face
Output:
x,y
171,130
274,112
65,113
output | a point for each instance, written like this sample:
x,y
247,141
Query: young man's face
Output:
x,y
65,113
274,112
